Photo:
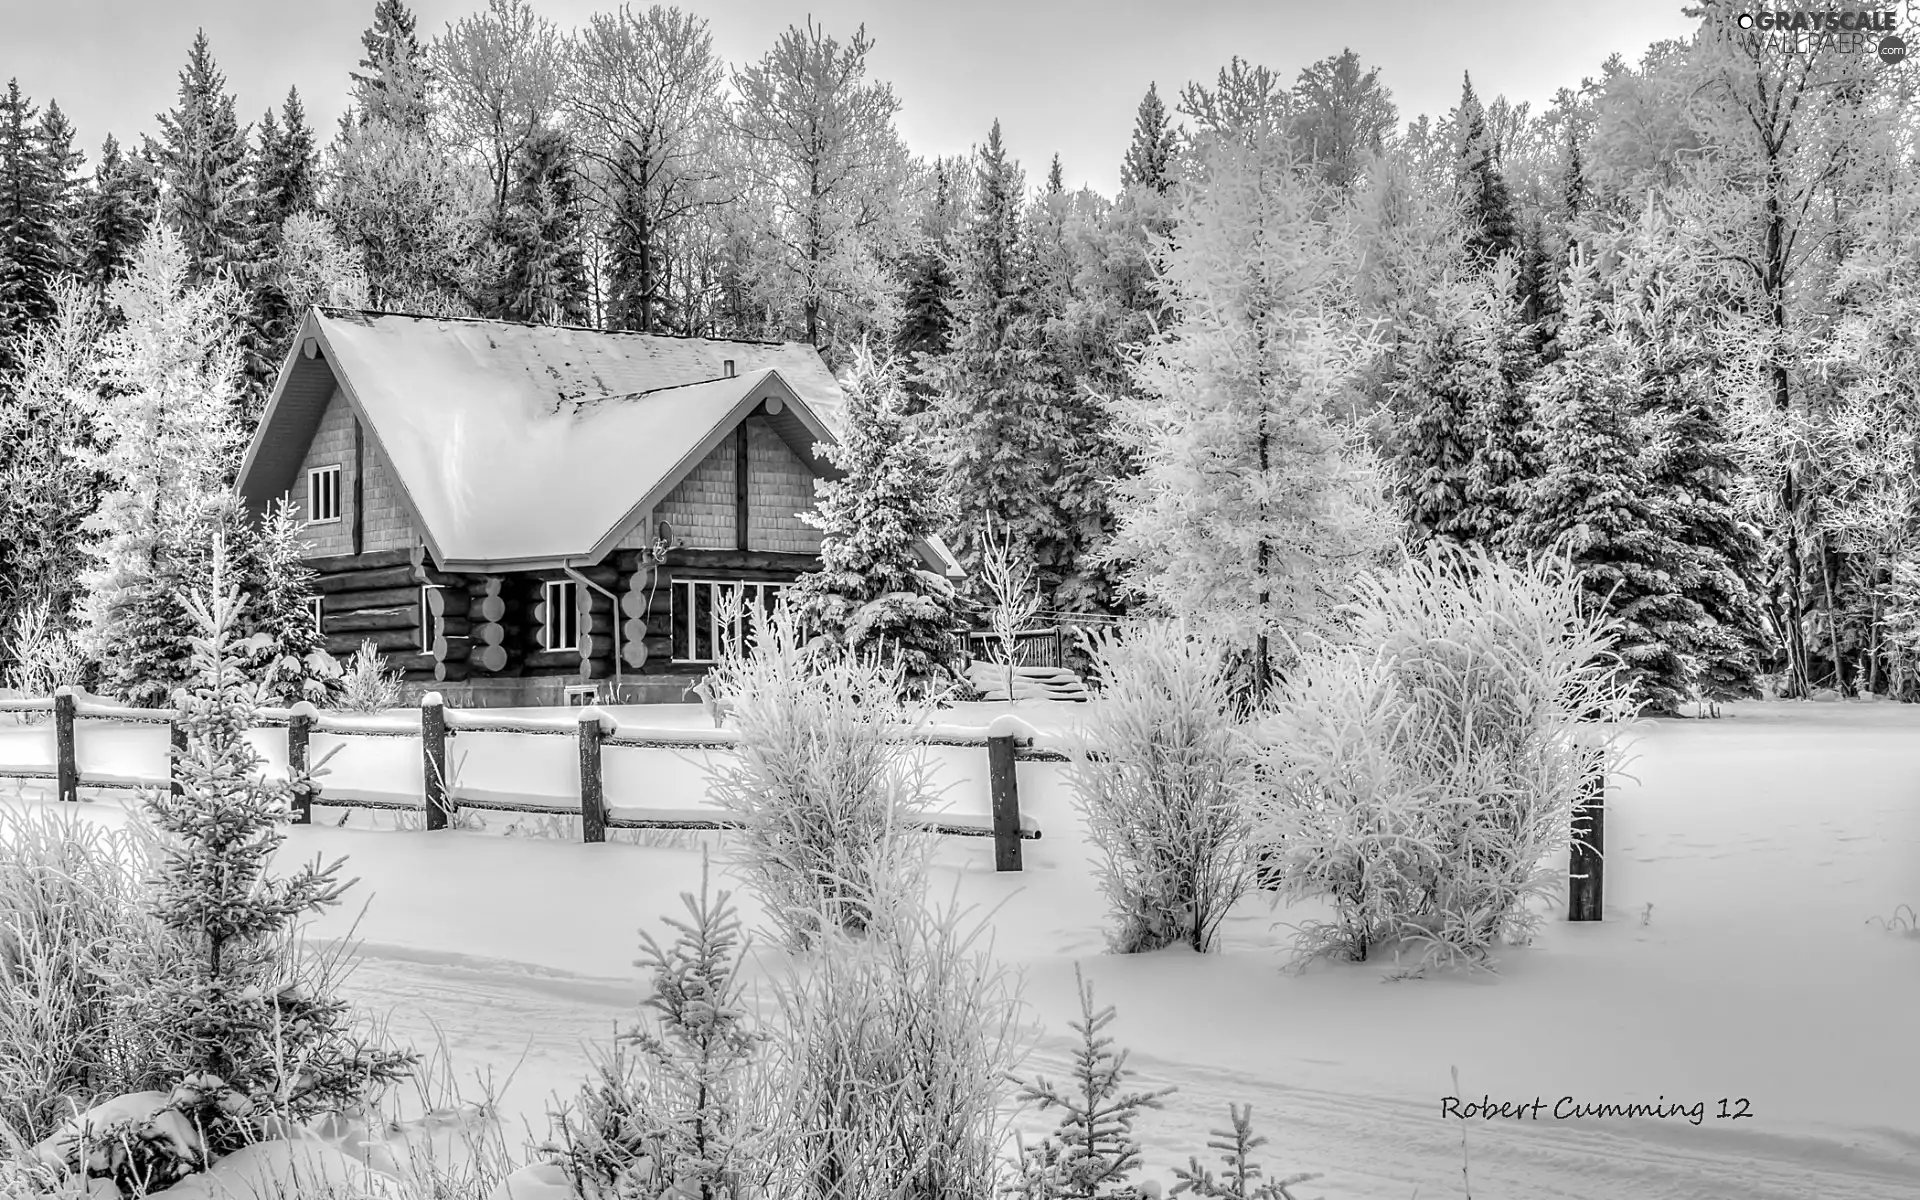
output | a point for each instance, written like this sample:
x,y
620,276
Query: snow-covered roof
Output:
x,y
523,445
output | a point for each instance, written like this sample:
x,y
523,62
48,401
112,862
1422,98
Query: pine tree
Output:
x,y
994,413
29,234
118,207
286,165
245,1026
1593,501
1488,208
873,591
1091,1152
202,155
67,185
679,1117
391,84
1242,1178
285,654
927,291
544,276
1663,306
1443,371
1149,159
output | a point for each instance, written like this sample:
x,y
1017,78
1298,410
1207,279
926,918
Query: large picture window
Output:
x,y
710,614
323,495
561,629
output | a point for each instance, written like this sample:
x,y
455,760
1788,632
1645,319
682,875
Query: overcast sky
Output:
x,y
1061,75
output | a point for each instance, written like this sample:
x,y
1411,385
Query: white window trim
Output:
x,y
317,607
567,623
427,629
580,695
314,478
687,638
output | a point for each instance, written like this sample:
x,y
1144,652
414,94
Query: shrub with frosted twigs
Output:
x,y
1421,767
1165,781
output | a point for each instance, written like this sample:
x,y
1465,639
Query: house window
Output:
x,y
560,631
583,695
323,495
429,627
319,617
711,614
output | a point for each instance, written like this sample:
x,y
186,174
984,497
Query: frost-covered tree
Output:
x,y
414,213
1092,1152
166,445
1342,116
245,1025
499,75
1486,205
392,83
286,165
873,591
1149,158
1253,503
828,169
43,431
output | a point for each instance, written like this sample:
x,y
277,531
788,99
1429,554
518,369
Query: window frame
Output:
x,y
570,614
428,630
333,474
687,639
317,606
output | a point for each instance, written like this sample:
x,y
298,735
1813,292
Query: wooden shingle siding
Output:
x,y
386,523
700,509
780,487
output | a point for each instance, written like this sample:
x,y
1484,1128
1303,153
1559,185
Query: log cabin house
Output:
x,y
487,502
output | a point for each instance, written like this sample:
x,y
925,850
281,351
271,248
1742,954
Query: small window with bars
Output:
x,y
712,614
561,629
323,495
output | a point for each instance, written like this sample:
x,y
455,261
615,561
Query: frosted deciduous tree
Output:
x,y
1342,117
643,98
166,445
828,169
498,76
414,213
1254,504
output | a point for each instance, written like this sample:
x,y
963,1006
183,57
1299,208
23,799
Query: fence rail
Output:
x,y
592,728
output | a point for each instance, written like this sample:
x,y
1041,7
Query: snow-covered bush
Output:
x,y
246,1017
41,653
894,1047
73,929
824,791
1165,779
1419,769
368,684
685,1112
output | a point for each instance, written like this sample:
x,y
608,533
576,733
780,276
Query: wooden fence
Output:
x,y
592,728
1031,647
595,730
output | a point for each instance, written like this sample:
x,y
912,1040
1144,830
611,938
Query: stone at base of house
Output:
x,y
549,690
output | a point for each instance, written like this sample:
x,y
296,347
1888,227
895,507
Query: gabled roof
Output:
x,y
522,445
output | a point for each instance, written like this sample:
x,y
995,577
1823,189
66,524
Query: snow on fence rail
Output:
x,y
1007,741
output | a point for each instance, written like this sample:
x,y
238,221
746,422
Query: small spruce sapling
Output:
x,y
252,1031
368,685
1091,1153
678,1116
1242,1178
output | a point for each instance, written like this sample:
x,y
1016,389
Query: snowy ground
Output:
x,y
1737,961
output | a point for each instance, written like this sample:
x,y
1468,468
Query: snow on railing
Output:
x,y
1007,740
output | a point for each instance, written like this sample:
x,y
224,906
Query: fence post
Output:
x,y
300,722
1585,863
66,766
433,755
593,790
176,754
1006,798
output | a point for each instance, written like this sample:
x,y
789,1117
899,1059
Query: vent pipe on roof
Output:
x,y
726,368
